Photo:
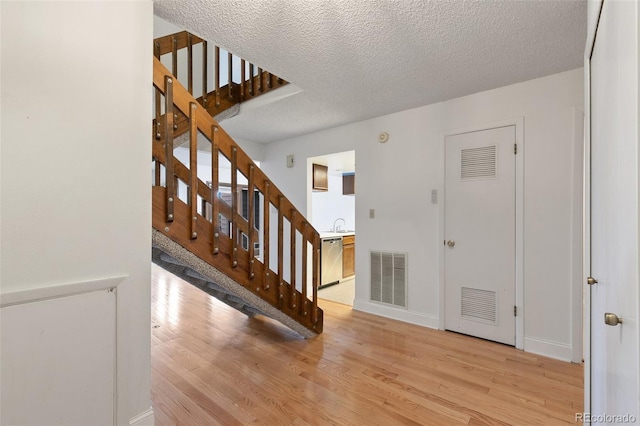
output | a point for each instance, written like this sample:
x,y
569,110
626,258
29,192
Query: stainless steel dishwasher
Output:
x,y
331,261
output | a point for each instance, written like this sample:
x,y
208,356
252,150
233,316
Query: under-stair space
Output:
x,y
227,229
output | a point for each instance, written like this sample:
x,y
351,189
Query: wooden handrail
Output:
x,y
243,267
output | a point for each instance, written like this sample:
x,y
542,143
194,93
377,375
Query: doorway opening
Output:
x,y
331,210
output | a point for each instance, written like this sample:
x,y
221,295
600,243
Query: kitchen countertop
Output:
x,y
324,235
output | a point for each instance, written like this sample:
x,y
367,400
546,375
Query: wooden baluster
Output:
x,y
234,207
251,91
193,168
174,70
303,304
316,279
252,219
156,49
230,67
215,222
168,145
242,78
260,88
174,56
265,235
190,63
158,105
157,173
269,82
217,71
204,74
158,98
280,289
292,280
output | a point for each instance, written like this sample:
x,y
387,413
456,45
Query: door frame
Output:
x,y
586,237
518,122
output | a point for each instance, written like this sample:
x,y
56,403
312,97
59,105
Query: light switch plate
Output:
x,y
372,213
290,160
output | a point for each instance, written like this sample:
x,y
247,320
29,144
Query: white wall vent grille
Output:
x,y
479,304
389,278
479,163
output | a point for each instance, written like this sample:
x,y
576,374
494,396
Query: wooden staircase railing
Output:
x,y
239,222
241,80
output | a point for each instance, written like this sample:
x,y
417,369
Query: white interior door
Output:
x,y
480,251
614,214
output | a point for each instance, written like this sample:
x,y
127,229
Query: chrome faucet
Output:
x,y
334,229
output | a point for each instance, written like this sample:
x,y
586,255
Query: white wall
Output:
x,y
76,199
396,179
328,206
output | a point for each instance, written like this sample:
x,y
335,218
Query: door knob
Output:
x,y
451,243
591,281
612,319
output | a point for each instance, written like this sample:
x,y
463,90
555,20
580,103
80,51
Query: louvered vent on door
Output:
x,y
477,304
479,163
389,278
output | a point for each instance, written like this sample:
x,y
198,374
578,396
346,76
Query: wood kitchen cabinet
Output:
x,y
348,256
348,184
320,178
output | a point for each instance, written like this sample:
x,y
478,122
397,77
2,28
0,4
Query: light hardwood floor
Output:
x,y
213,365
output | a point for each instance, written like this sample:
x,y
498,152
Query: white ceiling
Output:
x,y
358,59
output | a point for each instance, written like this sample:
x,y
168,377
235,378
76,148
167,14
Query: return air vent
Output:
x,y
389,278
479,304
479,163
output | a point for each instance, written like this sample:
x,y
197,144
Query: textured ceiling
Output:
x,y
357,59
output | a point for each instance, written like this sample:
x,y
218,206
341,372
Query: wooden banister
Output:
x,y
183,223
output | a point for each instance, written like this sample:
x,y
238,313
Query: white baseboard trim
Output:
x,y
399,314
34,294
548,348
145,418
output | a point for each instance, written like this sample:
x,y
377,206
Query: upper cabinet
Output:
x,y
320,178
348,184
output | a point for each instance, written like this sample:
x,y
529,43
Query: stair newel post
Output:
x,y
265,235
204,73
251,88
242,78
292,288
316,278
189,63
168,141
217,72
193,168
280,252
234,207
252,220
230,67
215,220
303,305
